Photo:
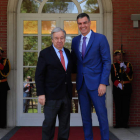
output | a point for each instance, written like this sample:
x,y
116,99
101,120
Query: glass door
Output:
x,y
35,23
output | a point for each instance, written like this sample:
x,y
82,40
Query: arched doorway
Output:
x,y
39,20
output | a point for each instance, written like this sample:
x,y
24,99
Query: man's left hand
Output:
x,y
101,90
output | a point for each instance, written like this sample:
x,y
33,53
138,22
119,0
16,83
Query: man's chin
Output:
x,y
84,33
60,47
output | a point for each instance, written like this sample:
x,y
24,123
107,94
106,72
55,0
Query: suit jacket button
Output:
x,y
65,83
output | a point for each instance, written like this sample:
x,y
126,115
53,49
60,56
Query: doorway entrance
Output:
x,y
34,28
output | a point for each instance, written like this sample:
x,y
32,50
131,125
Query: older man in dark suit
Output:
x,y
54,87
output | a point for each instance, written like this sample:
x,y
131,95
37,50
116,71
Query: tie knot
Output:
x,y
84,38
60,51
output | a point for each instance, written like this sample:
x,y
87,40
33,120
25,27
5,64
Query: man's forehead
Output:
x,y
58,33
58,36
84,19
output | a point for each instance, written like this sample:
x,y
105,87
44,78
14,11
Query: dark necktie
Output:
x,y
62,59
84,46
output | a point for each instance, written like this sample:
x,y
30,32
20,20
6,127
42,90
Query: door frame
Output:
x,y
12,100
36,119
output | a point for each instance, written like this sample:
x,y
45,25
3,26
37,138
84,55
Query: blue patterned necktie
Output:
x,y
84,46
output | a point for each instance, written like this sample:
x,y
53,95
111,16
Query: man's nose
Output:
x,y
82,25
59,39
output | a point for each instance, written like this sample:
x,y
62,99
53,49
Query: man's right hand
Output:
x,y
41,99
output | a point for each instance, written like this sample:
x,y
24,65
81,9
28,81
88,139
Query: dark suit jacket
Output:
x,y
51,78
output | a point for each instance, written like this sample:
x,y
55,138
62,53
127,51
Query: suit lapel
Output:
x,y
90,42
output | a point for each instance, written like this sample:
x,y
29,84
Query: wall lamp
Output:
x,y
135,18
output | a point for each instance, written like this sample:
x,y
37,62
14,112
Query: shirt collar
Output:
x,y
57,49
88,35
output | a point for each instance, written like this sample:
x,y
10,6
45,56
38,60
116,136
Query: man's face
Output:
x,y
84,25
118,57
58,40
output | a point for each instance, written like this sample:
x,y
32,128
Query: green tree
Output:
x,y
30,58
56,6
46,42
91,6
29,6
30,43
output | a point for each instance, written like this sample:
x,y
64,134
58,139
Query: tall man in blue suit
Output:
x,y
91,52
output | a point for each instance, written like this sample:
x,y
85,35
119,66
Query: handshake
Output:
x,y
123,65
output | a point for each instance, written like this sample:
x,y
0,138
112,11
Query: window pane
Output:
x,y
90,6
48,26
68,42
30,106
59,6
46,42
30,43
30,27
30,6
29,90
71,27
30,58
74,106
93,26
29,72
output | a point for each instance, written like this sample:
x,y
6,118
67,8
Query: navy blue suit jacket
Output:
x,y
96,65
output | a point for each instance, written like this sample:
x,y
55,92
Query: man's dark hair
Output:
x,y
83,15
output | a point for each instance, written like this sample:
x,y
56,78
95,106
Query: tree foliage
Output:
x,y
55,7
29,6
91,6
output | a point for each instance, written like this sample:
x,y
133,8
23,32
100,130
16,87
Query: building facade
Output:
x,y
25,27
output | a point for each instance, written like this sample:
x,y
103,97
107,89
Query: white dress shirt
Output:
x,y
87,40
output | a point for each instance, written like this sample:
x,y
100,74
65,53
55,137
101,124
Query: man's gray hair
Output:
x,y
57,29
